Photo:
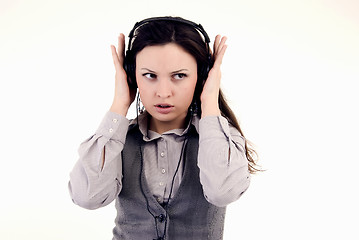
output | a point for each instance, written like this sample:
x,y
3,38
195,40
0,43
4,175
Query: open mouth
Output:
x,y
163,106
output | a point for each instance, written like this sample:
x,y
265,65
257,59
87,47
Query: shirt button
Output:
x,y
162,154
110,130
161,183
114,120
163,171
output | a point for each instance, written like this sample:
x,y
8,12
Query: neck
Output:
x,y
162,126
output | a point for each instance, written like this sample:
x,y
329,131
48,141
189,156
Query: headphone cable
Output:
x,y
173,179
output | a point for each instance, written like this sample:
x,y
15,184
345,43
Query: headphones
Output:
x,y
130,66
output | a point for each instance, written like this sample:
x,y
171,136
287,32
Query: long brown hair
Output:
x,y
161,32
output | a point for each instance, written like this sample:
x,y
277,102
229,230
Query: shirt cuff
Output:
x,y
113,126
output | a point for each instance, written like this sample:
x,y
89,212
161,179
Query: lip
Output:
x,y
164,110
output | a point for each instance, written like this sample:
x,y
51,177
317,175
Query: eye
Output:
x,y
149,75
179,76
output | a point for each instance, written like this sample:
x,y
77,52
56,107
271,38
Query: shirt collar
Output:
x,y
149,135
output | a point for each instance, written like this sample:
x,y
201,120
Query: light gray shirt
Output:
x,y
222,161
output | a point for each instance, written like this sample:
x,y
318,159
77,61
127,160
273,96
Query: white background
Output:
x,y
289,73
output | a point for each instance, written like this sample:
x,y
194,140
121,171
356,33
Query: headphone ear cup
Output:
x,y
130,70
205,70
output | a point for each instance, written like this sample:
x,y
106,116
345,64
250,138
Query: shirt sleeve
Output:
x,y
94,183
222,161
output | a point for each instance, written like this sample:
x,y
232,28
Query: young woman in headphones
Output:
x,y
175,168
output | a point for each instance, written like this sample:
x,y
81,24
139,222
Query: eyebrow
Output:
x,y
181,70
146,69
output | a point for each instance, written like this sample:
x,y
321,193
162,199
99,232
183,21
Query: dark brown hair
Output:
x,y
162,32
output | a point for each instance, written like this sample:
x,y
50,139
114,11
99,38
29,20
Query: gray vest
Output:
x,y
189,214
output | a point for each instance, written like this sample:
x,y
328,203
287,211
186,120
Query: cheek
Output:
x,y
193,85
137,81
188,92
141,85
144,94
143,91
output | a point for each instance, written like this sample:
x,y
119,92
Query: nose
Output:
x,y
164,88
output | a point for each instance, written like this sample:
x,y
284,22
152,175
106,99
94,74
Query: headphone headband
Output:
x,y
173,19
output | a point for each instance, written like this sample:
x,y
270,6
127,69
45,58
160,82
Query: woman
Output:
x,y
175,168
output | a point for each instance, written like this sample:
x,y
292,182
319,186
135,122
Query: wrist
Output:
x,y
210,109
119,109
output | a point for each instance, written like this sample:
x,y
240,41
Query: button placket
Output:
x,y
162,161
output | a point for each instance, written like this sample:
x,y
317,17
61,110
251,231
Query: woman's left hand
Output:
x,y
210,93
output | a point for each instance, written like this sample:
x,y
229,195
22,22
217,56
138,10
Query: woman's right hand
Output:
x,y
124,95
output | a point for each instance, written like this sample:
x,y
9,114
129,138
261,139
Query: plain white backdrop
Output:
x,y
290,73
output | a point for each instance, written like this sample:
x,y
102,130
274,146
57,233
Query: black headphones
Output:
x,y
130,66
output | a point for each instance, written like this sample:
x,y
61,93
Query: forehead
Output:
x,y
169,55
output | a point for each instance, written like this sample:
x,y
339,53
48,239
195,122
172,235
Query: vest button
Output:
x,y
161,217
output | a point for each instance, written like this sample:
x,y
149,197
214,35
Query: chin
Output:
x,y
168,118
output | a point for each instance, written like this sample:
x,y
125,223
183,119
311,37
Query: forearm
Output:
x,y
222,161
96,178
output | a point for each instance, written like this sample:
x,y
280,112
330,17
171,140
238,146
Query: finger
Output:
x,y
119,44
221,44
115,59
219,49
220,55
215,44
121,48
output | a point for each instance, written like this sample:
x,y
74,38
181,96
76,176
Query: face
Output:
x,y
166,77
